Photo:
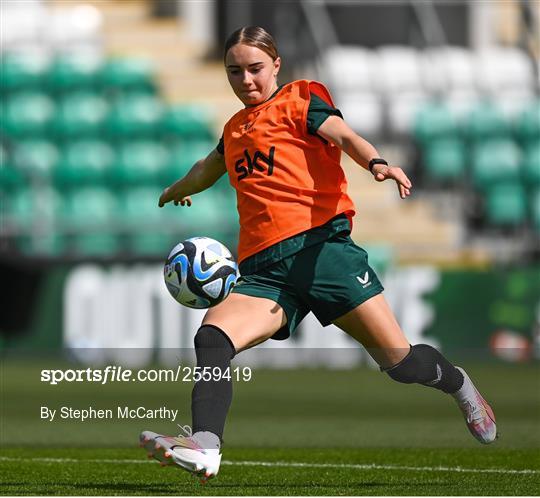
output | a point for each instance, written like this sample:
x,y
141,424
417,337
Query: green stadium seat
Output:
x,y
10,177
191,122
150,228
140,163
486,121
128,75
135,116
495,161
535,209
434,120
34,214
22,72
224,185
81,115
19,207
73,72
506,205
27,114
85,163
210,214
183,155
91,215
528,123
381,257
445,159
531,163
36,159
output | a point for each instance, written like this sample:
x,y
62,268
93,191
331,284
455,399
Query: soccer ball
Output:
x,y
200,272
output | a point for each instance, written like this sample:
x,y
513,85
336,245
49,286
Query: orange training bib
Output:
x,y
286,180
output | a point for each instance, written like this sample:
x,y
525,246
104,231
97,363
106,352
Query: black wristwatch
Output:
x,y
374,161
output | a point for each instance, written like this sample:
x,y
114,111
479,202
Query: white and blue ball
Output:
x,y
200,272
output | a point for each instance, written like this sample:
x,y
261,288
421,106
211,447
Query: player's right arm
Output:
x,y
201,176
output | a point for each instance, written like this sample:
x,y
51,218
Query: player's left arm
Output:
x,y
336,130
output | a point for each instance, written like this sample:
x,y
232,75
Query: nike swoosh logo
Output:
x,y
439,376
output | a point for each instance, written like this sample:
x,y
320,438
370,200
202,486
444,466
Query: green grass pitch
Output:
x,y
290,432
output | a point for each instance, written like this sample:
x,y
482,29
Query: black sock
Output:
x,y
427,366
211,399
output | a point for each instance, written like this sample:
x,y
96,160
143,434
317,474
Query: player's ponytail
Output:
x,y
254,36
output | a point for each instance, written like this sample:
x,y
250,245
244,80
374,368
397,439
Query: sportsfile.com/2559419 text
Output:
x,y
114,373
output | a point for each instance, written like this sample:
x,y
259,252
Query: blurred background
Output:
x,y
106,102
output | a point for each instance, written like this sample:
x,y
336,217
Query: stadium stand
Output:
x,y
82,110
88,141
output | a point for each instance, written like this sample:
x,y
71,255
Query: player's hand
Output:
x,y
382,172
171,194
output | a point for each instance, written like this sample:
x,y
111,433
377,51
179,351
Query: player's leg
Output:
x,y
236,324
247,320
373,324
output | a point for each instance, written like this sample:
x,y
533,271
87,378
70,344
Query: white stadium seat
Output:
x,y
514,101
398,70
503,68
448,69
22,24
402,109
74,28
348,68
363,111
462,101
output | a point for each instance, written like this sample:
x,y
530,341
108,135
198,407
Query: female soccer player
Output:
x,y
282,155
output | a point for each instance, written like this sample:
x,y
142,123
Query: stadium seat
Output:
x,y
206,211
350,68
503,68
77,26
531,164
127,75
140,163
91,216
528,123
22,72
74,72
506,205
448,69
381,257
36,159
394,60
487,121
85,162
10,177
183,155
461,103
495,162
22,23
512,102
402,110
189,122
445,160
80,115
434,121
134,116
535,209
33,214
28,114
150,229
363,111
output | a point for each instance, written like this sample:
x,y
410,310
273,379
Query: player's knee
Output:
x,y
212,337
427,366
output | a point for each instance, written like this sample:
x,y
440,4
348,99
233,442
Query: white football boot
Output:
x,y
478,414
193,453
